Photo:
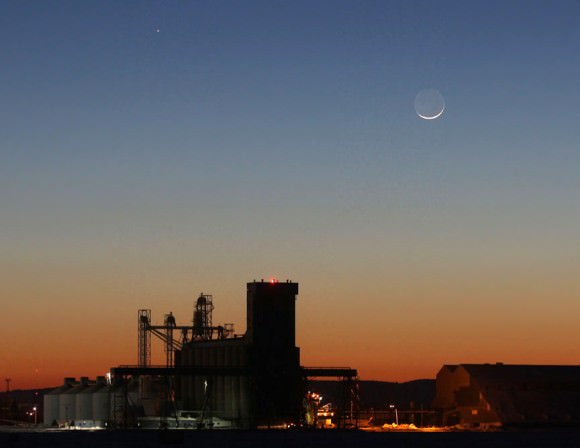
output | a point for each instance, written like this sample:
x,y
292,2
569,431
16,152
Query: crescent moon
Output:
x,y
429,104
433,117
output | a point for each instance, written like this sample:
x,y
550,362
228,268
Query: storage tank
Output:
x,y
84,403
67,413
52,402
101,403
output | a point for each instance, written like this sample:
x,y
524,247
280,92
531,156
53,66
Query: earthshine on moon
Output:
x,y
429,104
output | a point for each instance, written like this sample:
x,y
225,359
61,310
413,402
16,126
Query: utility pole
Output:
x,y
8,384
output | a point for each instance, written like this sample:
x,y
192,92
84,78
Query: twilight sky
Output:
x,y
152,150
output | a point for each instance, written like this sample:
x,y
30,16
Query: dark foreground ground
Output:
x,y
282,439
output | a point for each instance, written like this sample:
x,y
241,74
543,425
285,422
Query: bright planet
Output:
x,y
429,104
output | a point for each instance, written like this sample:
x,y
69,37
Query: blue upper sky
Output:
x,y
283,134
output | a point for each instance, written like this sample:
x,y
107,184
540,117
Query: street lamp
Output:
x,y
392,406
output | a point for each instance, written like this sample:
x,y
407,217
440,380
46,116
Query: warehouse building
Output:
x,y
480,395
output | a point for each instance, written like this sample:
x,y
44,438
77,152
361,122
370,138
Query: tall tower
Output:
x,y
274,359
271,314
144,338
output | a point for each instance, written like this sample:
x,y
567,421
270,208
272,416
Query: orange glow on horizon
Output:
x,y
396,331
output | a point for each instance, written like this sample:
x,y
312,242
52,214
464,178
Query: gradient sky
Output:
x,y
152,150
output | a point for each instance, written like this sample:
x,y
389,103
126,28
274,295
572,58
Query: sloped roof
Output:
x,y
529,393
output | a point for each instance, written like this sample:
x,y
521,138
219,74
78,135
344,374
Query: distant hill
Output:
x,y
16,405
379,394
25,395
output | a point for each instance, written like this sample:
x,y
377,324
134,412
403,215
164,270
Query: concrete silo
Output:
x,y
67,409
52,402
101,402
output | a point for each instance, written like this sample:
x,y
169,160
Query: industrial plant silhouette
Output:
x,y
213,377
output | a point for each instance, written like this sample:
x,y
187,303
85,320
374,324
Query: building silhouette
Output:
x,y
508,395
266,385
